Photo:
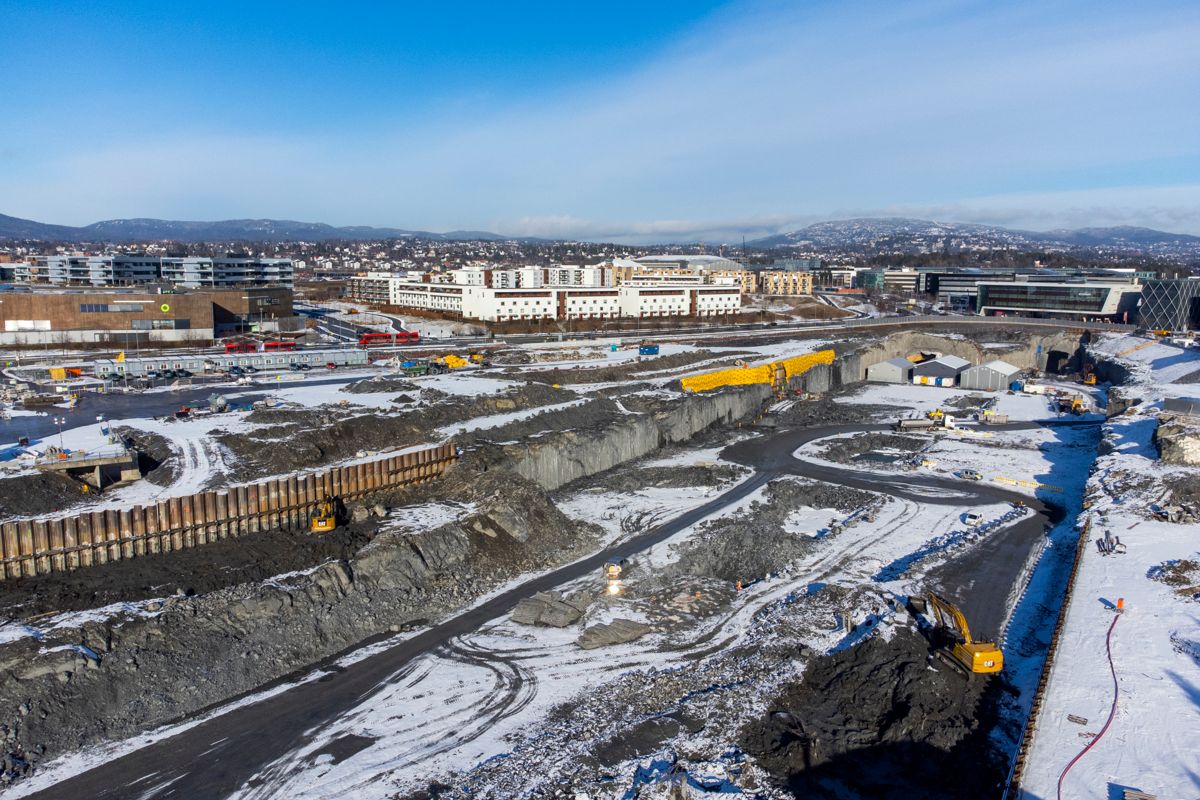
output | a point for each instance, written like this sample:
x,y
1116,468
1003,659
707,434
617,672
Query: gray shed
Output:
x,y
994,376
940,371
894,370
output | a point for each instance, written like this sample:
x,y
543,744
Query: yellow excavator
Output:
x,y
324,519
959,649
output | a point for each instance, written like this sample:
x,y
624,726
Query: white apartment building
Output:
x,y
534,277
471,297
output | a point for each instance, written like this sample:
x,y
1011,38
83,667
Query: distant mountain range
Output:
x,y
870,230
231,230
848,233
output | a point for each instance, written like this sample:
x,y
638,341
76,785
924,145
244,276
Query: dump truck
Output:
x,y
953,643
915,424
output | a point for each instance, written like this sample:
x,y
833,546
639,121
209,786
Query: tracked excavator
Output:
x,y
324,519
954,643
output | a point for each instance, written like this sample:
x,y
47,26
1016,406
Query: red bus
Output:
x,y
275,346
241,347
386,339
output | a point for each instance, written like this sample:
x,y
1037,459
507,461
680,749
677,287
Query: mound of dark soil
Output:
x,y
875,721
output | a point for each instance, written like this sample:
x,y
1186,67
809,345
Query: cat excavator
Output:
x,y
954,643
324,519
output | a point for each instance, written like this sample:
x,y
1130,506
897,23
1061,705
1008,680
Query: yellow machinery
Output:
x,y
324,519
1089,379
452,361
612,577
937,414
961,651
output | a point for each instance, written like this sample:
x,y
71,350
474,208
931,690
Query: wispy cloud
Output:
x,y
768,116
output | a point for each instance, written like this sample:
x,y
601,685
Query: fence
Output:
x,y
1017,771
772,373
41,546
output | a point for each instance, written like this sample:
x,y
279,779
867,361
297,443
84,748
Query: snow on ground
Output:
x,y
491,691
1150,744
426,516
1151,361
11,630
496,420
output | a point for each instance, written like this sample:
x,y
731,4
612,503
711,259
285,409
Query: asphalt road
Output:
x,y
215,758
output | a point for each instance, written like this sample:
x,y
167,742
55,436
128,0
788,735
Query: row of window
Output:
x,y
162,324
110,308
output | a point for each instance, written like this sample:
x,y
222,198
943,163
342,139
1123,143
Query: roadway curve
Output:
x,y
212,760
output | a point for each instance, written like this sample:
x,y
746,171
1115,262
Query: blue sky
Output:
x,y
623,120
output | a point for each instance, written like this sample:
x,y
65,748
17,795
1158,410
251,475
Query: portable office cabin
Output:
x,y
994,376
941,371
894,370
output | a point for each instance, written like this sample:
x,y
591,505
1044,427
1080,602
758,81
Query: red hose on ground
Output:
x,y
1112,712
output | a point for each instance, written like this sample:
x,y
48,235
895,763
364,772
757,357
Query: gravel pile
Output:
x,y
379,384
300,439
844,450
755,543
875,721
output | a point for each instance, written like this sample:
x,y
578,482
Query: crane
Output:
x,y
960,650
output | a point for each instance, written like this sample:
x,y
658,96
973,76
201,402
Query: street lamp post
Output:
x,y
60,421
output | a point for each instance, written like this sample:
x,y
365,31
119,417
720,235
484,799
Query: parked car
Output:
x,y
236,371
970,475
330,365
249,370
183,373
153,374
972,519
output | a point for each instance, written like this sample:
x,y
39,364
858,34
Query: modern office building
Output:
x,y
1082,301
132,269
1170,304
139,318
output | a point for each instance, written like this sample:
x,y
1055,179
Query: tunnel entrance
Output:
x,y
1057,361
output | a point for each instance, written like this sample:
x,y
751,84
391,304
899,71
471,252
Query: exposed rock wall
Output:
x,y
1178,439
557,459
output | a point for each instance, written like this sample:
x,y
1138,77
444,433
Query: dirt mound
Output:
x,y
157,459
621,480
629,369
38,493
302,439
875,721
756,543
380,383
827,412
847,450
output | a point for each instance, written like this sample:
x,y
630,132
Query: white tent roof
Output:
x,y
1003,367
954,362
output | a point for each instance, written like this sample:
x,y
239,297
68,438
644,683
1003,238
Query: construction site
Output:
x,y
776,564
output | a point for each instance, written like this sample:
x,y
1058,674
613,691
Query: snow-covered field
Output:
x,y
1141,666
